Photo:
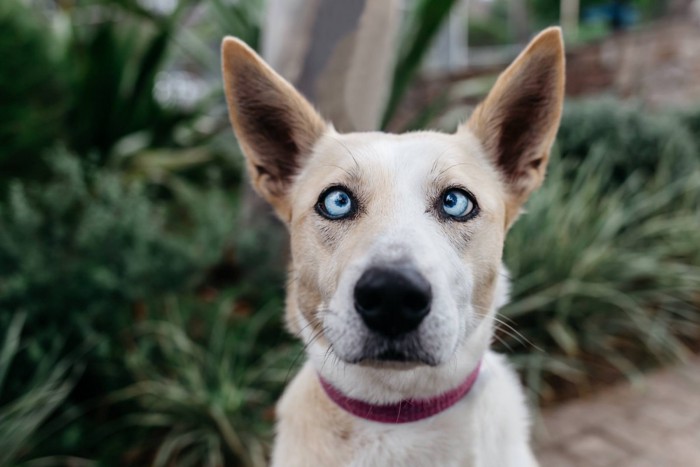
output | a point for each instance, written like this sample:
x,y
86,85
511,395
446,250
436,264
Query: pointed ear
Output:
x,y
276,127
518,120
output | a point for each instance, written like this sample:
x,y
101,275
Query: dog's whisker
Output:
x,y
442,172
349,152
339,168
438,159
506,328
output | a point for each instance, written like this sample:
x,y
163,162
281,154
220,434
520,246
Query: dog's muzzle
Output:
x,y
392,303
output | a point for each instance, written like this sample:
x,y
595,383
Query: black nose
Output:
x,y
392,302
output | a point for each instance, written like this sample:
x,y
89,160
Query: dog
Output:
x,y
396,272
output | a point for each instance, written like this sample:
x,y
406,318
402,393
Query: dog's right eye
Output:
x,y
335,203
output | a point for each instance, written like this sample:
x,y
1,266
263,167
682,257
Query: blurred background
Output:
x,y
141,282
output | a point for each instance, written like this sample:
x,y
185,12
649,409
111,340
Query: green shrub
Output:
x,y
76,252
22,417
691,119
605,266
86,81
206,380
631,138
33,100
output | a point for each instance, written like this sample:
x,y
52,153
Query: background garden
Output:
x,y
140,312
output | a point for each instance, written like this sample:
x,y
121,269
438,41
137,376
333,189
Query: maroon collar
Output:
x,y
407,410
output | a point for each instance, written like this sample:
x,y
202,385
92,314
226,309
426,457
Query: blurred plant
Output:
x,y
605,262
32,98
86,243
419,31
111,96
113,65
491,30
690,118
633,139
22,416
206,381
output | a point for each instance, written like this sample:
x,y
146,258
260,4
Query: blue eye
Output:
x,y
336,204
457,204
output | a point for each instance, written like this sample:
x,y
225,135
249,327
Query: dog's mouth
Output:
x,y
403,354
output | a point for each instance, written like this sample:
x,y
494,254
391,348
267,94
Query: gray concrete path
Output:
x,y
655,423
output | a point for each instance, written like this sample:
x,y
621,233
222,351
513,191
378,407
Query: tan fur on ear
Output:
x,y
519,119
276,127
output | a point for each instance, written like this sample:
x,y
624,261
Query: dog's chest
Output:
x,y
445,440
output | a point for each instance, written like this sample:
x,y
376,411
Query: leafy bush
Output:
x,y
691,119
631,138
605,261
418,33
105,59
22,416
206,381
33,101
76,252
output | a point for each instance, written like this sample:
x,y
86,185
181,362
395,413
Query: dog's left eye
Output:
x,y
457,204
335,203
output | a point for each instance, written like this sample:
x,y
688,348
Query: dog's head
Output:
x,y
396,239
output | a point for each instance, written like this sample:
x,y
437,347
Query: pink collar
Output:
x,y
405,411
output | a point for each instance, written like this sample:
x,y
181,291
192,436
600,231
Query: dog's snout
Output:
x,y
392,302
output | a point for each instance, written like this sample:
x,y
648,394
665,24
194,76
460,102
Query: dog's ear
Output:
x,y
276,127
518,121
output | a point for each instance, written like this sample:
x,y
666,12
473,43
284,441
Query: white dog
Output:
x,y
396,273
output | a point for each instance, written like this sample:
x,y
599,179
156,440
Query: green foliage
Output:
x,y
690,118
98,99
113,70
491,30
206,381
33,103
87,243
22,416
605,262
631,138
419,33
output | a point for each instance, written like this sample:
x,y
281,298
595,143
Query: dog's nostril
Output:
x,y
392,302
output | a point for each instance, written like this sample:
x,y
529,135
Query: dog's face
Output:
x,y
396,239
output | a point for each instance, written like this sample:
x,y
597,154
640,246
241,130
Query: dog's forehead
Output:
x,y
418,159
410,150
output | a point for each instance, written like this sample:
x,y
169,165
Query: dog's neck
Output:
x,y
404,411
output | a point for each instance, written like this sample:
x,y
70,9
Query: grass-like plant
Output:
x,y
605,271
78,254
207,378
23,416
